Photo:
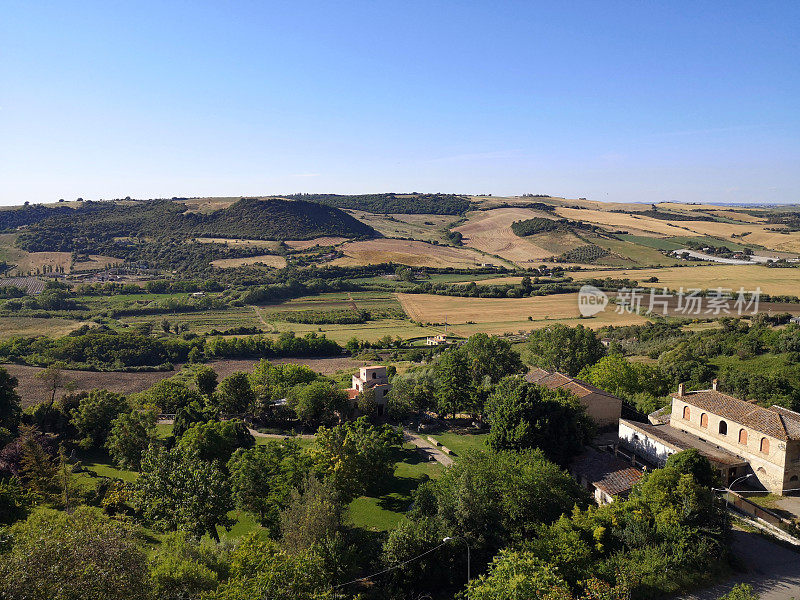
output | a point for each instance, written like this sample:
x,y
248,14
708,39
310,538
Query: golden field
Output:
x,y
410,252
271,260
499,315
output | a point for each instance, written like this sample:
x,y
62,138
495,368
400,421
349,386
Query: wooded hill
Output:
x,y
391,203
95,223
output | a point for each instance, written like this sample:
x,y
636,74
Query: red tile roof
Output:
x,y
606,472
775,421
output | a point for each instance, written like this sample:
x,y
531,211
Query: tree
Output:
x,y
216,440
15,501
317,402
234,395
131,434
356,455
37,468
741,591
523,415
411,392
260,569
312,517
176,490
518,575
79,556
564,349
183,567
54,379
683,365
691,462
170,395
96,410
190,415
262,478
452,383
9,401
617,375
206,379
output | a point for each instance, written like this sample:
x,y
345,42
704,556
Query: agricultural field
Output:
x,y
771,281
490,232
270,260
466,316
427,228
412,253
31,326
320,241
234,243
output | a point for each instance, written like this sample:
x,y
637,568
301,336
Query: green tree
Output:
x,y
617,375
216,440
318,402
312,517
691,462
15,501
357,456
234,394
262,478
452,383
9,401
131,434
260,569
523,415
176,490
206,379
741,591
684,365
183,567
518,575
81,555
96,410
564,349
170,395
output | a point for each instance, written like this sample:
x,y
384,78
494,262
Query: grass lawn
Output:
x,y
462,442
384,510
100,463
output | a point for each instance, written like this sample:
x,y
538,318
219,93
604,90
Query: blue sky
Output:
x,y
617,101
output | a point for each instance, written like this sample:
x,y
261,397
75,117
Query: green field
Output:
x,y
460,443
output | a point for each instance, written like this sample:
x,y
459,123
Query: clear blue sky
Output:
x,y
618,101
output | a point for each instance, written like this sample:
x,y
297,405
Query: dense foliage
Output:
x,y
434,204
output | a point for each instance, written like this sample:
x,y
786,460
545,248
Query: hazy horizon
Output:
x,y
619,101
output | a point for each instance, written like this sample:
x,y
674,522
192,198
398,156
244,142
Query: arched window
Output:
x,y
764,445
704,420
723,428
793,478
686,413
743,436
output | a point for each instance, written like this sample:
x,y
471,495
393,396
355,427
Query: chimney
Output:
x,y
680,390
714,384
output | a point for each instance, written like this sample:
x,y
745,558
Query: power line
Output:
x,y
397,566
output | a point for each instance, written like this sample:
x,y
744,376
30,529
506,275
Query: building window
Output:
x,y
723,428
374,375
764,445
793,478
743,436
686,413
704,420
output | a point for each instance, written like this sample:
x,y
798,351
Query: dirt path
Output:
x,y
428,448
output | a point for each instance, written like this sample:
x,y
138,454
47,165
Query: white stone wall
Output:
x,y
655,451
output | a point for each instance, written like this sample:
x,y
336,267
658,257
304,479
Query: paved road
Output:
x,y
772,570
425,446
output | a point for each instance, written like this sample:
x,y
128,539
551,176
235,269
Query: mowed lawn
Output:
x,y
499,315
461,443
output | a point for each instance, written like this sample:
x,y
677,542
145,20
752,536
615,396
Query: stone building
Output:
x,y
603,408
742,438
374,379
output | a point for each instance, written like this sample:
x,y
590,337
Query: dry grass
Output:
x,y
499,315
771,281
409,252
95,262
320,241
31,326
269,244
419,227
271,260
490,231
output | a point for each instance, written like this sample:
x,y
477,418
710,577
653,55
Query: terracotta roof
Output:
x,y
680,440
775,421
555,381
606,472
352,394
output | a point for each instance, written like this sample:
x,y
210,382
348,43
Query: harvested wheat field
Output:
x,y
499,315
771,281
320,241
271,260
409,252
490,231
32,326
269,244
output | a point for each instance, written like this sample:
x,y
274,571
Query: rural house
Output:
x,y
603,408
739,437
373,379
